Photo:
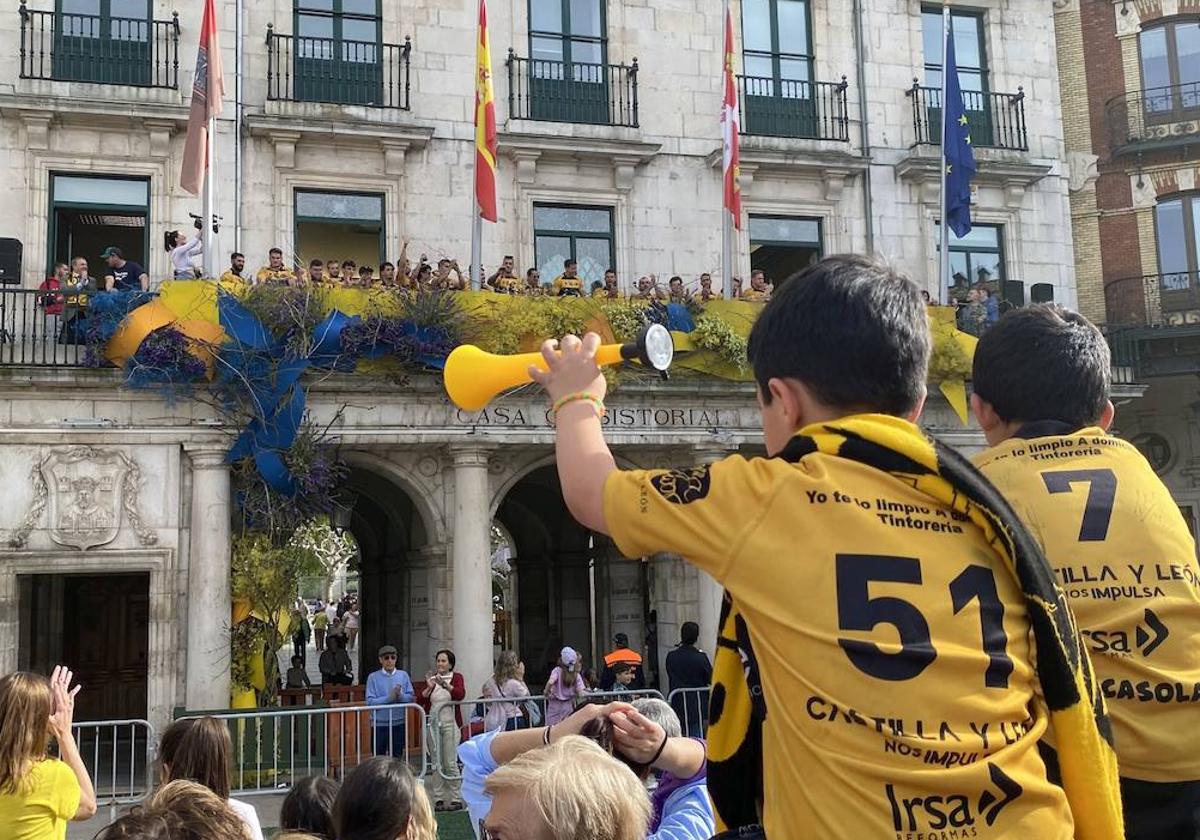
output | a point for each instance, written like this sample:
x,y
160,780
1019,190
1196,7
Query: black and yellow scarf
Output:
x,y
1077,712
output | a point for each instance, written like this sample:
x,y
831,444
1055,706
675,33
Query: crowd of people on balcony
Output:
x,y
446,275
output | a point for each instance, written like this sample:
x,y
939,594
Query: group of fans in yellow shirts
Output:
x,y
914,646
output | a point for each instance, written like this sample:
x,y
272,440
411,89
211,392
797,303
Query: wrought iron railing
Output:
x,y
339,72
42,328
135,52
557,91
1155,117
997,120
1154,300
787,108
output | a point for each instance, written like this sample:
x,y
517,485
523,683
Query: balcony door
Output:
x,y
339,51
967,30
777,89
1177,229
568,52
105,41
1170,57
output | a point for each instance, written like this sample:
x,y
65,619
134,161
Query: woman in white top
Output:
x,y
351,625
199,750
182,250
444,689
507,714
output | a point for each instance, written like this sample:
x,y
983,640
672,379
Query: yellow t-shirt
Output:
x,y
1124,555
887,715
510,285
41,812
755,296
567,286
230,277
266,274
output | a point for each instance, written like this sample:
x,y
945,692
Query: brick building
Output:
x,y
1131,122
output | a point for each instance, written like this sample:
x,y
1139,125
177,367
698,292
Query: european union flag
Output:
x,y
958,156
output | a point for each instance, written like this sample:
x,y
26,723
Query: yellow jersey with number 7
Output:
x,y
1124,556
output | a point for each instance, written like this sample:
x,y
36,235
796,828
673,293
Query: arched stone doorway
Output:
x,y
572,587
393,569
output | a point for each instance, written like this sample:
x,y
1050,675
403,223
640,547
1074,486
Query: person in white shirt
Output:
x,y
182,250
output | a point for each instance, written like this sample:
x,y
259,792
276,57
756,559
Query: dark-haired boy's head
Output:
x,y
844,336
1041,363
689,633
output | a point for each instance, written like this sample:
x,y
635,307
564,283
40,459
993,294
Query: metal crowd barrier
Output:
x,y
691,704
119,757
476,724
275,748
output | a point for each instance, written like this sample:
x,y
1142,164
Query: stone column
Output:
x,y
471,598
208,598
708,613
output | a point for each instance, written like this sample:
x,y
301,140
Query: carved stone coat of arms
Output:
x,y
84,491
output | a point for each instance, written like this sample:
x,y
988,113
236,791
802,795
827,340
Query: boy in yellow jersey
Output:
x,y
885,647
1118,544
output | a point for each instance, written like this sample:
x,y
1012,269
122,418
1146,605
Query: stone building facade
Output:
x,y
1131,116
363,142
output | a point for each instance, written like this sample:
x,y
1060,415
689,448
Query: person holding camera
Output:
x,y
182,250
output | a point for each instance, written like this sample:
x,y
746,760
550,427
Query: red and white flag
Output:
x,y
730,129
208,94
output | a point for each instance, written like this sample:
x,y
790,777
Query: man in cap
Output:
x,y
622,653
387,687
123,275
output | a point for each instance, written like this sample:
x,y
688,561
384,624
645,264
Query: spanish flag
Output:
x,y
485,123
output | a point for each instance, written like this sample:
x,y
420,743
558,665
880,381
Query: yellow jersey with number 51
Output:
x,y
889,646
1123,553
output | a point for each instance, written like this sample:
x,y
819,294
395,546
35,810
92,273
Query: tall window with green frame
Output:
x,y
777,56
1177,230
338,51
971,57
571,231
106,41
568,51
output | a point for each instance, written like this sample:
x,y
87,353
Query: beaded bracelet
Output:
x,y
581,396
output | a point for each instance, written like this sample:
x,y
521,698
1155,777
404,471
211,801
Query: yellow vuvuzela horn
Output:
x,y
474,377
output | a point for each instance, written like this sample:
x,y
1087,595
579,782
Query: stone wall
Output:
x,y
662,179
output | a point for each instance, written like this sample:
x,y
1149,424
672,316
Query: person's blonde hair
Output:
x,y
581,792
506,667
180,810
25,708
421,824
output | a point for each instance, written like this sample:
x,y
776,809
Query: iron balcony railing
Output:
x,y
557,91
787,108
1154,300
135,52
339,72
997,120
1154,118
43,328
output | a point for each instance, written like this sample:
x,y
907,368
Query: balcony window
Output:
x,y
1177,228
337,54
341,226
782,245
103,41
584,234
1170,56
971,56
568,78
88,213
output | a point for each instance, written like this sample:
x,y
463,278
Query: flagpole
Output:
x,y
943,227
210,186
726,215
476,242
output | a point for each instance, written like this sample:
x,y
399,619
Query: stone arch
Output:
x,y
413,486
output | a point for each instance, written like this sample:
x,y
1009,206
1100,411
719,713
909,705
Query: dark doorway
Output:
x,y
572,586
780,246
85,233
394,603
99,626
